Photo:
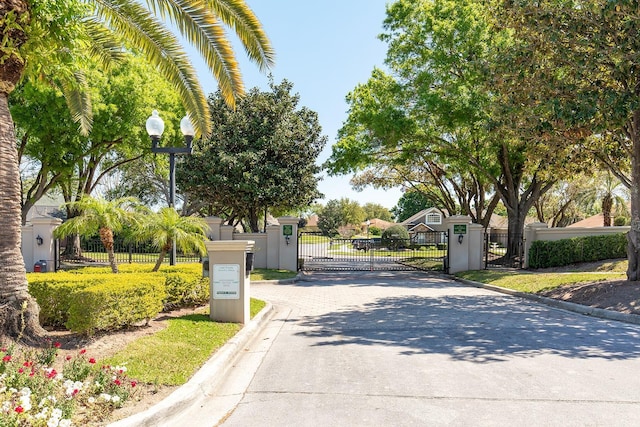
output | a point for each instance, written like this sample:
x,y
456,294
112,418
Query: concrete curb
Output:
x,y
564,305
204,381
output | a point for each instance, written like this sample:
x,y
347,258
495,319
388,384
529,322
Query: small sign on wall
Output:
x,y
287,230
226,281
459,228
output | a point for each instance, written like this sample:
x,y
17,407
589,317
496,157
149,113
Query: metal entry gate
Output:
x,y
427,251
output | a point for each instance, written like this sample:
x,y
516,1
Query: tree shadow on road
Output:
x,y
477,329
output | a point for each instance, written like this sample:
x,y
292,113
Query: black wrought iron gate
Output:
x,y
426,251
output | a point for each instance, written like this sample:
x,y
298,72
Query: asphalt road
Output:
x,y
405,349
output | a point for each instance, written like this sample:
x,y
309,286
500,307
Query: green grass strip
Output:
x,y
268,274
172,355
535,282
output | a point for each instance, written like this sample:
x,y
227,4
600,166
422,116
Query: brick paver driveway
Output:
x,y
405,348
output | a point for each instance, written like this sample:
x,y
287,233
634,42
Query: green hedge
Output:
x,y
53,293
93,298
545,253
185,286
115,305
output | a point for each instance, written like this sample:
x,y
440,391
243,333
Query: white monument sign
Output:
x,y
226,281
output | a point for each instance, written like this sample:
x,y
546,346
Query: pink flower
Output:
x,y
68,357
56,344
20,371
133,383
83,351
92,360
27,364
7,358
52,374
19,409
117,382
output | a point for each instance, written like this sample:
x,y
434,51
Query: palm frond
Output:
x,y
104,47
198,23
236,14
76,94
144,32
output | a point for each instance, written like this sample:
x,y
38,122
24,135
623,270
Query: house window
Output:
x,y
434,218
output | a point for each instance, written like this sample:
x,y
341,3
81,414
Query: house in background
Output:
x,y
426,226
380,223
47,206
426,220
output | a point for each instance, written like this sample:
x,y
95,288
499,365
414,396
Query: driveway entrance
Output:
x,y
426,251
410,349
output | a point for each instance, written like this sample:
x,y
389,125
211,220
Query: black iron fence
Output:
x,y
502,252
426,251
92,250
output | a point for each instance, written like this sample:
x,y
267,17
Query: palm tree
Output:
x,y
605,190
167,226
46,40
101,216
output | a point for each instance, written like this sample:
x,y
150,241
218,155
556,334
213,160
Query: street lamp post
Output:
x,y
155,128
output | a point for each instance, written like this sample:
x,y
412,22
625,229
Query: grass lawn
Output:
x,y
267,274
533,282
173,355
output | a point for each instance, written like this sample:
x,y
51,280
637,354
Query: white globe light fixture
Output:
x,y
155,127
186,127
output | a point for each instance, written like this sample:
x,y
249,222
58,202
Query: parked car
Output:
x,y
366,244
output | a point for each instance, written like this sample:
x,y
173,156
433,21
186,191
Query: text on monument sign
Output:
x,y
226,281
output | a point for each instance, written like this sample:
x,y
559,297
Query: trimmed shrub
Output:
x,y
57,293
395,237
557,253
124,301
53,293
375,231
184,284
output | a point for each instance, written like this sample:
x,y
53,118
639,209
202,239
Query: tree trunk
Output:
x,y
106,237
163,253
607,206
633,237
19,312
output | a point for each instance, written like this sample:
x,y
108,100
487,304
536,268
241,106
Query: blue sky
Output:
x,y
325,48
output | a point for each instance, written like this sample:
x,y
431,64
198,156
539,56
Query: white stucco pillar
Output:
x,y
38,243
229,280
214,224
288,243
459,242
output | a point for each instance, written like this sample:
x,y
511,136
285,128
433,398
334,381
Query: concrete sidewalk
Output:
x,y
405,348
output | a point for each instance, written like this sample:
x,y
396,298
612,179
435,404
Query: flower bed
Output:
x,y
34,393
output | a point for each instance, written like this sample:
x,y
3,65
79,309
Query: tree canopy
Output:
x,y
261,155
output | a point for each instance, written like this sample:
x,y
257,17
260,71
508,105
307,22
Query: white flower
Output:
x,y
53,422
91,400
105,396
65,423
56,413
25,402
115,399
3,389
26,391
